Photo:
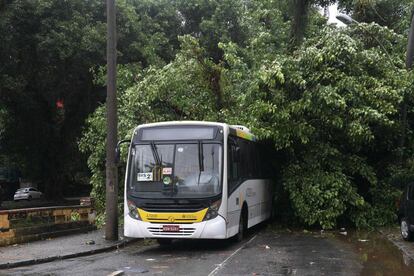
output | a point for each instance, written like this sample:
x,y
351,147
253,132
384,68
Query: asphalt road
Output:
x,y
264,252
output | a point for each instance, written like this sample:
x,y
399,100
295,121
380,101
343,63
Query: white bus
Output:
x,y
196,180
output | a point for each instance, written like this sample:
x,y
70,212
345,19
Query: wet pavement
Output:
x,y
267,251
378,255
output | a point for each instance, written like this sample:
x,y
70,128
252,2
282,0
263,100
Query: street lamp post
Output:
x,y
346,19
111,204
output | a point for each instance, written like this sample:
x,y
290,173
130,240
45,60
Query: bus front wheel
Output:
x,y
242,225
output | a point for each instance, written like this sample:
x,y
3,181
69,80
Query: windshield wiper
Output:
x,y
155,153
200,156
200,160
157,171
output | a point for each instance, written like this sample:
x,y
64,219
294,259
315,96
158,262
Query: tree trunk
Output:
x,y
300,10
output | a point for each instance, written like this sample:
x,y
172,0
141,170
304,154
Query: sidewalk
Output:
x,y
59,248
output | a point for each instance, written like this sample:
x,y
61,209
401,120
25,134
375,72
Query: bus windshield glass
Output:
x,y
187,170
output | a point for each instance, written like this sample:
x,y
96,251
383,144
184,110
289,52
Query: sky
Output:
x,y
333,11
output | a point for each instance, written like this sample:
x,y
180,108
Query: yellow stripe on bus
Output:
x,y
172,217
245,135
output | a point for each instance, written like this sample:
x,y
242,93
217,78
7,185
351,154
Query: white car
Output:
x,y
27,193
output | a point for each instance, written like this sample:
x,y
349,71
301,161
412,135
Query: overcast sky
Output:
x,y
333,11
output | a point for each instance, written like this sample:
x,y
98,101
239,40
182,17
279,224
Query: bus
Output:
x,y
195,180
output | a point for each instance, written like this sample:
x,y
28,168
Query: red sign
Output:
x,y
60,104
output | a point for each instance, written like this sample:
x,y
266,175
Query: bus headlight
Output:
x,y
133,210
212,210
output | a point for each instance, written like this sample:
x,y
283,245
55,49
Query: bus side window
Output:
x,y
252,164
241,158
266,169
257,161
246,169
233,164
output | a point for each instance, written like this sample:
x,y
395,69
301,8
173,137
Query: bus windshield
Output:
x,y
187,170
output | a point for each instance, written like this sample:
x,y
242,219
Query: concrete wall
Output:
x,y
23,225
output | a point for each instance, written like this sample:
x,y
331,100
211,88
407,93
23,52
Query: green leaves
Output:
x,y
319,196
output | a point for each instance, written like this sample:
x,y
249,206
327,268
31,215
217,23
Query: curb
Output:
x,y
68,256
400,244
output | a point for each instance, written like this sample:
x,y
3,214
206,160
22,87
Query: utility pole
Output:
x,y
111,205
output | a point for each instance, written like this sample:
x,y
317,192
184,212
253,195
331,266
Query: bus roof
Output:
x,y
177,123
237,130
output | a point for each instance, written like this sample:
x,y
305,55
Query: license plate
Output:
x,y
171,228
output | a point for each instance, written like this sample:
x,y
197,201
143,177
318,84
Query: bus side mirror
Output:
x,y
118,150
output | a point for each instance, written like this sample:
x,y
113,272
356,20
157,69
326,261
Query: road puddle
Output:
x,y
378,255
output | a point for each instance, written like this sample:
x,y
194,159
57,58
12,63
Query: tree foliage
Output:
x,y
331,109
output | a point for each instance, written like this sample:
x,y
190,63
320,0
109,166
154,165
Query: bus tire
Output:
x,y
164,242
242,225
